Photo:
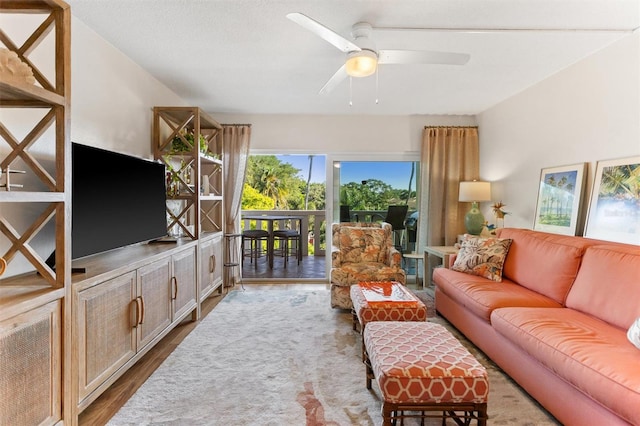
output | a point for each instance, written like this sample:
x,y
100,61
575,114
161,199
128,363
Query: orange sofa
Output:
x,y
557,323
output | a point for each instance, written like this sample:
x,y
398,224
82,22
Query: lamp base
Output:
x,y
474,220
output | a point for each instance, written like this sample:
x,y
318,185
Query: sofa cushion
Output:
x,y
482,296
543,262
482,256
363,244
353,273
607,285
591,354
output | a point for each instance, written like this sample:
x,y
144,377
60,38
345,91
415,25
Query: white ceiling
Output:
x,y
245,56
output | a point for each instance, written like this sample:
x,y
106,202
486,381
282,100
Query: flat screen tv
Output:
x,y
116,200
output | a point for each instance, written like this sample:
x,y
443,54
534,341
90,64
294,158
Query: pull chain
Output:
x,y
377,85
350,91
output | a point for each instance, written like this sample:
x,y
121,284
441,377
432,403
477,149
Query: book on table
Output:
x,y
386,292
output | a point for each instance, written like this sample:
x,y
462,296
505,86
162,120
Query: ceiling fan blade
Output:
x,y
323,32
421,57
336,79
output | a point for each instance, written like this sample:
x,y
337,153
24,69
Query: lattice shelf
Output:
x,y
25,179
188,141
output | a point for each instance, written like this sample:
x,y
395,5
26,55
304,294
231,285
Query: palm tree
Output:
x,y
273,188
413,170
306,195
620,180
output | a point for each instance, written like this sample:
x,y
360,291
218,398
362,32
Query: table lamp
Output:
x,y
474,192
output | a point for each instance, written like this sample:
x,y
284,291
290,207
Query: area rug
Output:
x,y
282,357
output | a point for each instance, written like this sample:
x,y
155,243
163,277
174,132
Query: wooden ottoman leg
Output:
x,y
354,318
482,415
387,414
368,370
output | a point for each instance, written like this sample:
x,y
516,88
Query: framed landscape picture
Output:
x,y
614,209
559,199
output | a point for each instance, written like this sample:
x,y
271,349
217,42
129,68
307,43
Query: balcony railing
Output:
x,y
313,225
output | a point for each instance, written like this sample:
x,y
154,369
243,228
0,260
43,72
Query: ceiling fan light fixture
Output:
x,y
361,63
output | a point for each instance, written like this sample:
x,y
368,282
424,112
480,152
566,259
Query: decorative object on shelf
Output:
x,y
614,209
7,184
179,145
474,192
560,199
204,185
12,68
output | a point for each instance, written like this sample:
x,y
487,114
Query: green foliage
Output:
x,y
178,143
253,200
317,196
374,195
281,183
273,178
278,181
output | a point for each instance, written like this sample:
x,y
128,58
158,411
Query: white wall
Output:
x,y
339,134
111,96
585,113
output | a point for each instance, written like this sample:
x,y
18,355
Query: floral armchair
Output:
x,y
362,252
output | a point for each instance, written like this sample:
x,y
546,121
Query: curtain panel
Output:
x,y
235,146
236,139
449,155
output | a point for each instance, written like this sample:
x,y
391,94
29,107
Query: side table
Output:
x,y
417,257
441,252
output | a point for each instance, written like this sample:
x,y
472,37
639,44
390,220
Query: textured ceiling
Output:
x,y
245,56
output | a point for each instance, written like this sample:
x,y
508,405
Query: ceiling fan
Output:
x,y
363,58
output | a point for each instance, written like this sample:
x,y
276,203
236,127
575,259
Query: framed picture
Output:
x,y
614,209
560,199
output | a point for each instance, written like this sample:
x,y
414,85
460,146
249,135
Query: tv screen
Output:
x,y
116,200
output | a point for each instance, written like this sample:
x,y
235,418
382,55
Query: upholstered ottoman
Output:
x,y
423,371
409,308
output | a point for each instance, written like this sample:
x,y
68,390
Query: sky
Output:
x,y
394,173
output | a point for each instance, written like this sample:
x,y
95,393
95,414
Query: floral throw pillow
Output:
x,y
482,256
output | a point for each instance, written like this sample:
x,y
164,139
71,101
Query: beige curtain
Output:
x,y
449,155
235,148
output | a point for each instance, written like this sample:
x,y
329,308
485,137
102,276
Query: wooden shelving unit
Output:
x,y
194,169
32,304
189,142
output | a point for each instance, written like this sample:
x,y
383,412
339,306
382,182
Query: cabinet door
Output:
x,y
211,269
106,330
154,291
30,372
184,283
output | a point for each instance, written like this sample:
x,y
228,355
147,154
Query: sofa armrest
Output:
x,y
336,257
395,258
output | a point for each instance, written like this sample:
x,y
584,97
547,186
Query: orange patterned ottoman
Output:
x,y
396,304
421,368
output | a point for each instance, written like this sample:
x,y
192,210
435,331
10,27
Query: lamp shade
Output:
x,y
362,63
475,191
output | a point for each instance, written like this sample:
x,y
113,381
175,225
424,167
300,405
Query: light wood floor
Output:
x,y
103,408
